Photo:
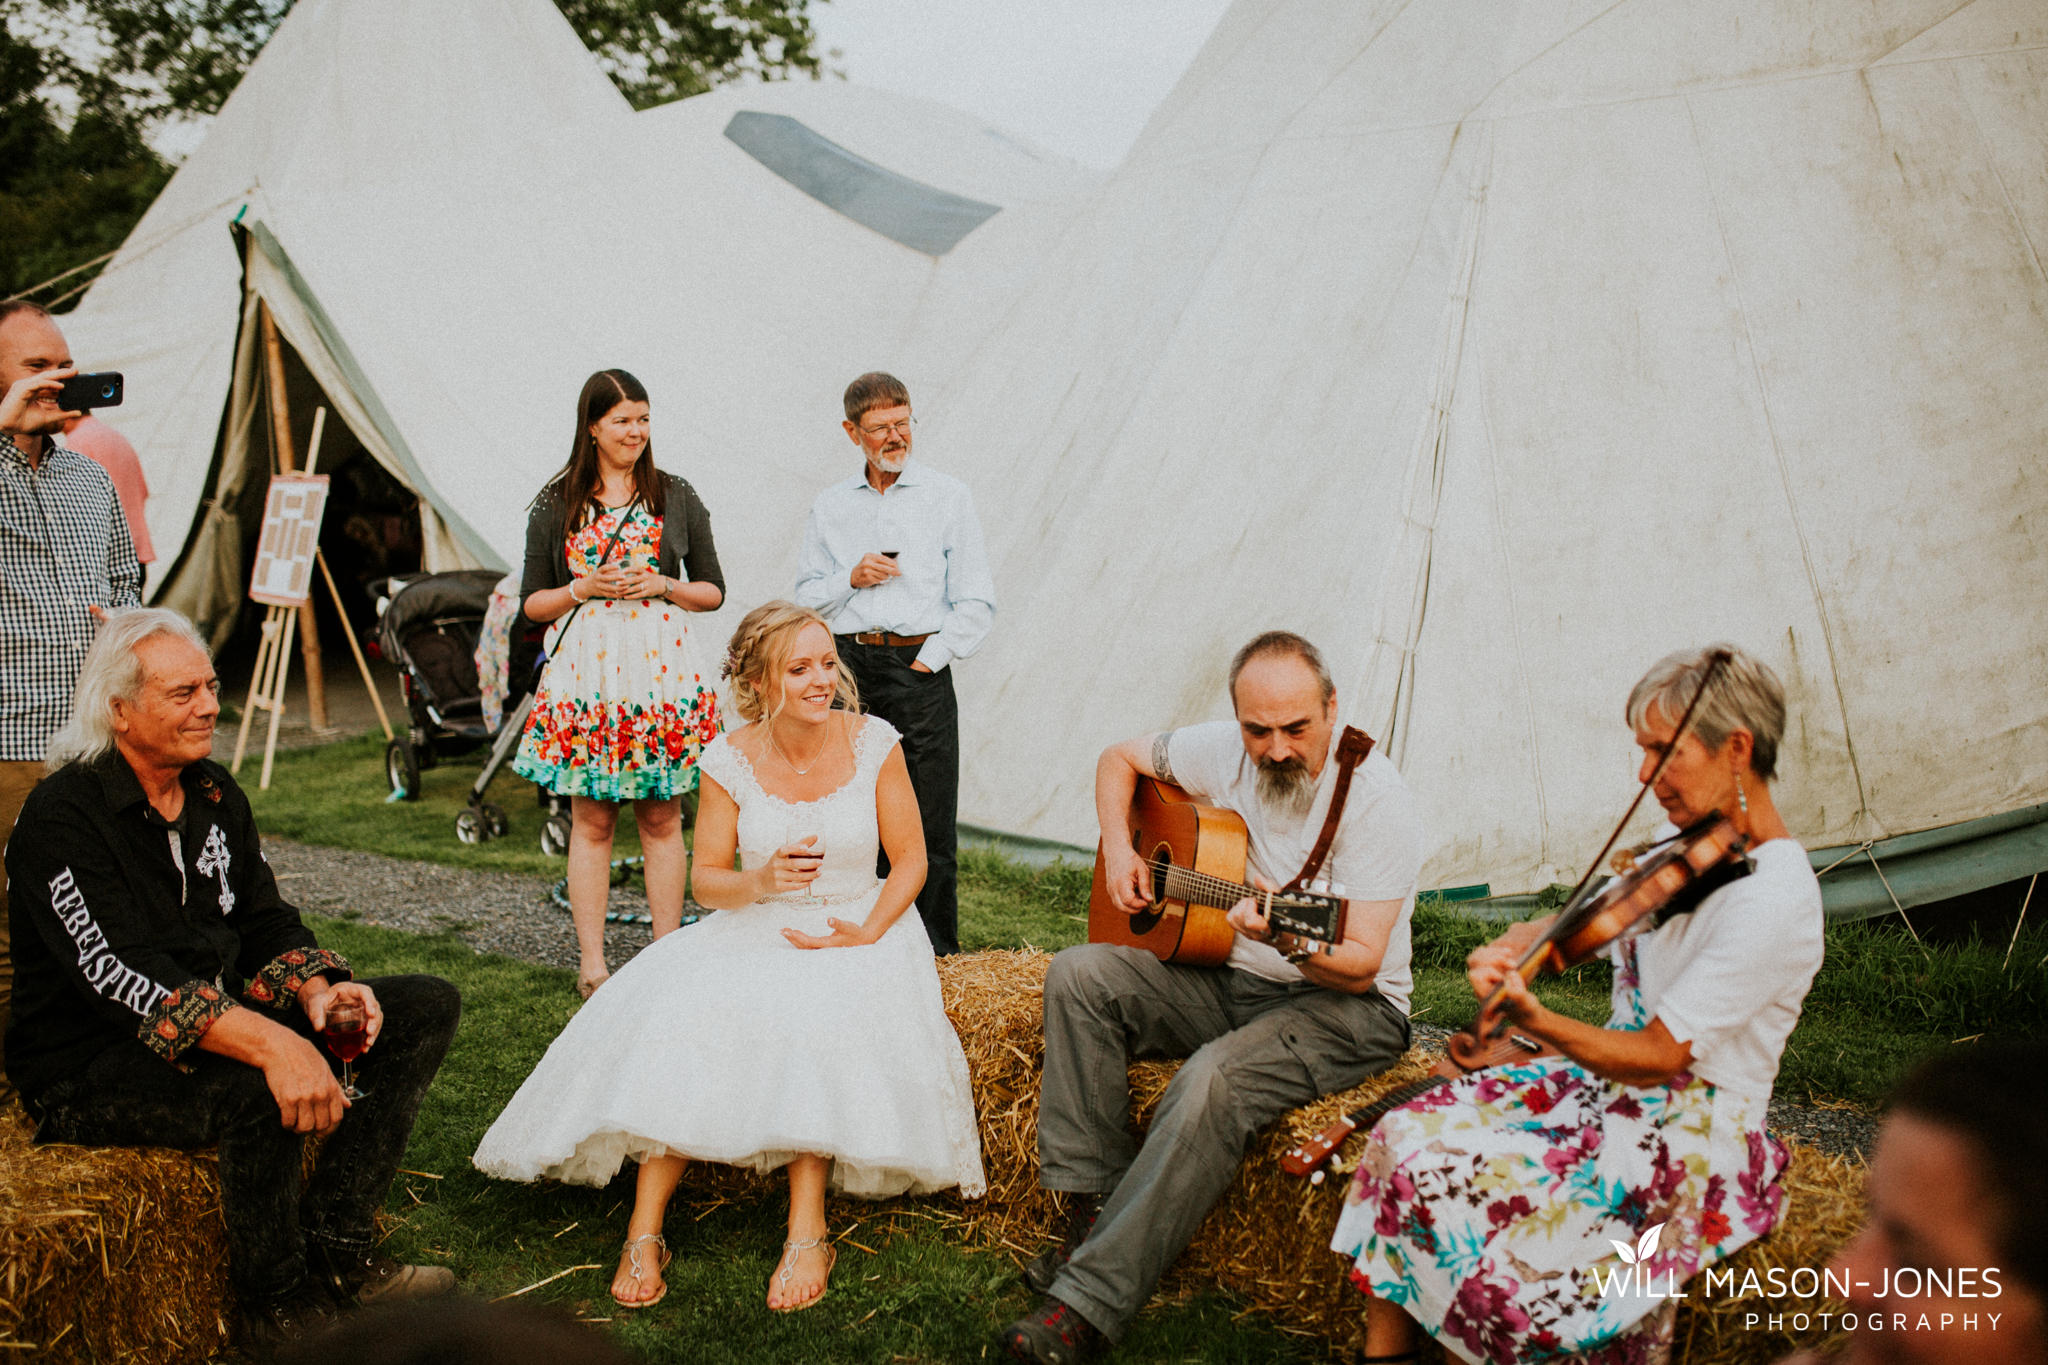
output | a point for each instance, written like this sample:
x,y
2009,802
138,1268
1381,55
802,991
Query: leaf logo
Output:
x,y
1643,1250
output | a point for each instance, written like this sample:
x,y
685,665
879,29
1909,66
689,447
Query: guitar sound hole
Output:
x,y
1146,920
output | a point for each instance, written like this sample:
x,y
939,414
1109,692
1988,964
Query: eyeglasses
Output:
x,y
900,428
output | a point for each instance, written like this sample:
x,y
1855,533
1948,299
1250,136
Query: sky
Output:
x,y
1078,77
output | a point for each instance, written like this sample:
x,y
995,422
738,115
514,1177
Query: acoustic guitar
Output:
x,y
1197,857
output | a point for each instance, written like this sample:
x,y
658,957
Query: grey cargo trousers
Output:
x,y
1255,1049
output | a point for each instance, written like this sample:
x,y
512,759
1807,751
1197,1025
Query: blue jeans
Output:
x,y
130,1097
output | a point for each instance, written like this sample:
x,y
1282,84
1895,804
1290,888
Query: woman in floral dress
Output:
x,y
1547,1209
617,553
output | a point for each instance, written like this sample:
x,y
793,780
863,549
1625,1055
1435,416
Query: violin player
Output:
x,y
1488,1210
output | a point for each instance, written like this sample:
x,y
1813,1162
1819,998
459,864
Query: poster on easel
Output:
x,y
290,538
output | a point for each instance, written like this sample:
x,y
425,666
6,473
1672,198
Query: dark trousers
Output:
x,y
923,708
1255,1049
130,1097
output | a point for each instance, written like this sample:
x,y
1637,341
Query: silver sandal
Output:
x,y
636,1269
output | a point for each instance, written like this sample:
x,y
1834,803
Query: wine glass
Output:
x,y
346,1035
797,832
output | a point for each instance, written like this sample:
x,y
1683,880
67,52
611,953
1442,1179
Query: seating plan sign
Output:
x,y
291,536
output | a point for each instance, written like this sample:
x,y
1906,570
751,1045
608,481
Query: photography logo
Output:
x,y
1914,1299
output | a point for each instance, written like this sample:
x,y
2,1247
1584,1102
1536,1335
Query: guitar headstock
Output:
x,y
1315,913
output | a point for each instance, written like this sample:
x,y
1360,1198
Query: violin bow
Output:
x,y
1561,923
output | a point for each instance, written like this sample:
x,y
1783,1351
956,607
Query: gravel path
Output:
x,y
511,914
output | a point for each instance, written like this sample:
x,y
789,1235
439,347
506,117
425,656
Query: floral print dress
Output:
x,y
623,708
1495,1210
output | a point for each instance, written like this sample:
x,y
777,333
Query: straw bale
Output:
x,y
109,1254
1268,1239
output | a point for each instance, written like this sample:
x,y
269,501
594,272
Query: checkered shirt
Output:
x,y
64,548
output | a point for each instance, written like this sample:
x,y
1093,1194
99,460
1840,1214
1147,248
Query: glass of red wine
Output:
x,y
346,1034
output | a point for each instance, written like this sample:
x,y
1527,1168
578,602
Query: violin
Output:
x,y
1670,878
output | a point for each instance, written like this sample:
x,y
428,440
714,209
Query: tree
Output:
x,y
67,194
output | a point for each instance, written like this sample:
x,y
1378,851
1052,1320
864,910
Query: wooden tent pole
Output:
x,y
287,460
348,627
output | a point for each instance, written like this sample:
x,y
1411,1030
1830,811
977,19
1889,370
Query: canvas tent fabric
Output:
x,y
1497,347
1501,348
452,231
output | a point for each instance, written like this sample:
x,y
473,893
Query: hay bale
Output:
x,y
1268,1239
109,1253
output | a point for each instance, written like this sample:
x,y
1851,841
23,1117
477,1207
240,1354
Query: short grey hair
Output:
x,y
1287,643
112,670
1746,695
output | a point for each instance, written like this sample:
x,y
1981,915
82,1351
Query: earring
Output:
x,y
1741,793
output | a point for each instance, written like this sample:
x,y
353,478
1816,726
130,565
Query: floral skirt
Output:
x,y
623,709
1530,1212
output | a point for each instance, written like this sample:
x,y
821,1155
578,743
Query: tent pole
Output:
x,y
281,438
348,627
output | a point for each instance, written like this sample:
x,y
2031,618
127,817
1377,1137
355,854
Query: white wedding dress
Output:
x,y
723,1042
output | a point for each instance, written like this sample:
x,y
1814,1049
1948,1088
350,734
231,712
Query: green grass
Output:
x,y
916,1295
334,795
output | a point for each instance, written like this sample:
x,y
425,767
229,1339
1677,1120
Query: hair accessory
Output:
x,y
731,667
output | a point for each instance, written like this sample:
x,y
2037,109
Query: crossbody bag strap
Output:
x,y
1352,747
604,557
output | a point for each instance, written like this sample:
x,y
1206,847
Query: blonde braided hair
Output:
x,y
759,652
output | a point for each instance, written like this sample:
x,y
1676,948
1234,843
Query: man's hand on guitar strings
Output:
x,y
1129,878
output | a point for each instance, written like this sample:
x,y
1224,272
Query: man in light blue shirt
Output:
x,y
893,559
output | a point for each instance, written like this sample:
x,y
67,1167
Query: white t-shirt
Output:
x,y
1730,977
1376,855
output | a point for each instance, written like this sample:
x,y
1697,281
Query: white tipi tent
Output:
x,y
1503,346
454,218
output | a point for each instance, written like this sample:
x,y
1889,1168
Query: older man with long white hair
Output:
x,y
170,997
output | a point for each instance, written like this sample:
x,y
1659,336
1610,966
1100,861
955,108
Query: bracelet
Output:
x,y
572,592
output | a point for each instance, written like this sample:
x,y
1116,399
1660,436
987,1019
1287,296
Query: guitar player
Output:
x,y
1274,1027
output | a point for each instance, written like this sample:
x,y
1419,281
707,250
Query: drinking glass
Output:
x,y
346,1034
797,832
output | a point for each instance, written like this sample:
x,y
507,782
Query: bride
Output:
x,y
801,1025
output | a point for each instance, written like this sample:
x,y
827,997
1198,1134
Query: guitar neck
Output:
x,y
1200,888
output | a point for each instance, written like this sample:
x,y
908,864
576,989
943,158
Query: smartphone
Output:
x,y
83,391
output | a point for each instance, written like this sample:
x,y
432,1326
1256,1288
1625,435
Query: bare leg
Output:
x,y
591,823
1389,1331
666,864
651,1191
806,1268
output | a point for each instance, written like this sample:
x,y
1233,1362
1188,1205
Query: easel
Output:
x,y
273,655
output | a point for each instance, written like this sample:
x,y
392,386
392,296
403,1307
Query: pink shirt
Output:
x,y
110,449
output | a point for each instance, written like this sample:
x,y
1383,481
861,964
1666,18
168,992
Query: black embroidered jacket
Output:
x,y
126,927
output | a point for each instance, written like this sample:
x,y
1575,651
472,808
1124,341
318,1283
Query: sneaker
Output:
x,y
359,1276
267,1327
1053,1334
1082,1211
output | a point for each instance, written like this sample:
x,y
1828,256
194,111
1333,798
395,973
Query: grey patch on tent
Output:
x,y
920,216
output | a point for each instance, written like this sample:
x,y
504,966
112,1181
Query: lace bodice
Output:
x,y
845,819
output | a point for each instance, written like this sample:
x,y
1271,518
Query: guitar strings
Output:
x,y
1168,873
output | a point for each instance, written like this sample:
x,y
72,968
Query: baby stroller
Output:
x,y
429,627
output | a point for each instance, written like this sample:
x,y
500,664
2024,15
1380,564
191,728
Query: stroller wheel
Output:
x,y
554,836
495,821
470,827
402,768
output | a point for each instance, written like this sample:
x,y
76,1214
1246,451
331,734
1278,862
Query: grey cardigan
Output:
x,y
687,551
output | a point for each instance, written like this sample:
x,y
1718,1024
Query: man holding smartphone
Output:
x,y
65,557
893,559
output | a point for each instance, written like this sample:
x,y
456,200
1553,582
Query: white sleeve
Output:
x,y
1378,852
1205,758
1744,966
